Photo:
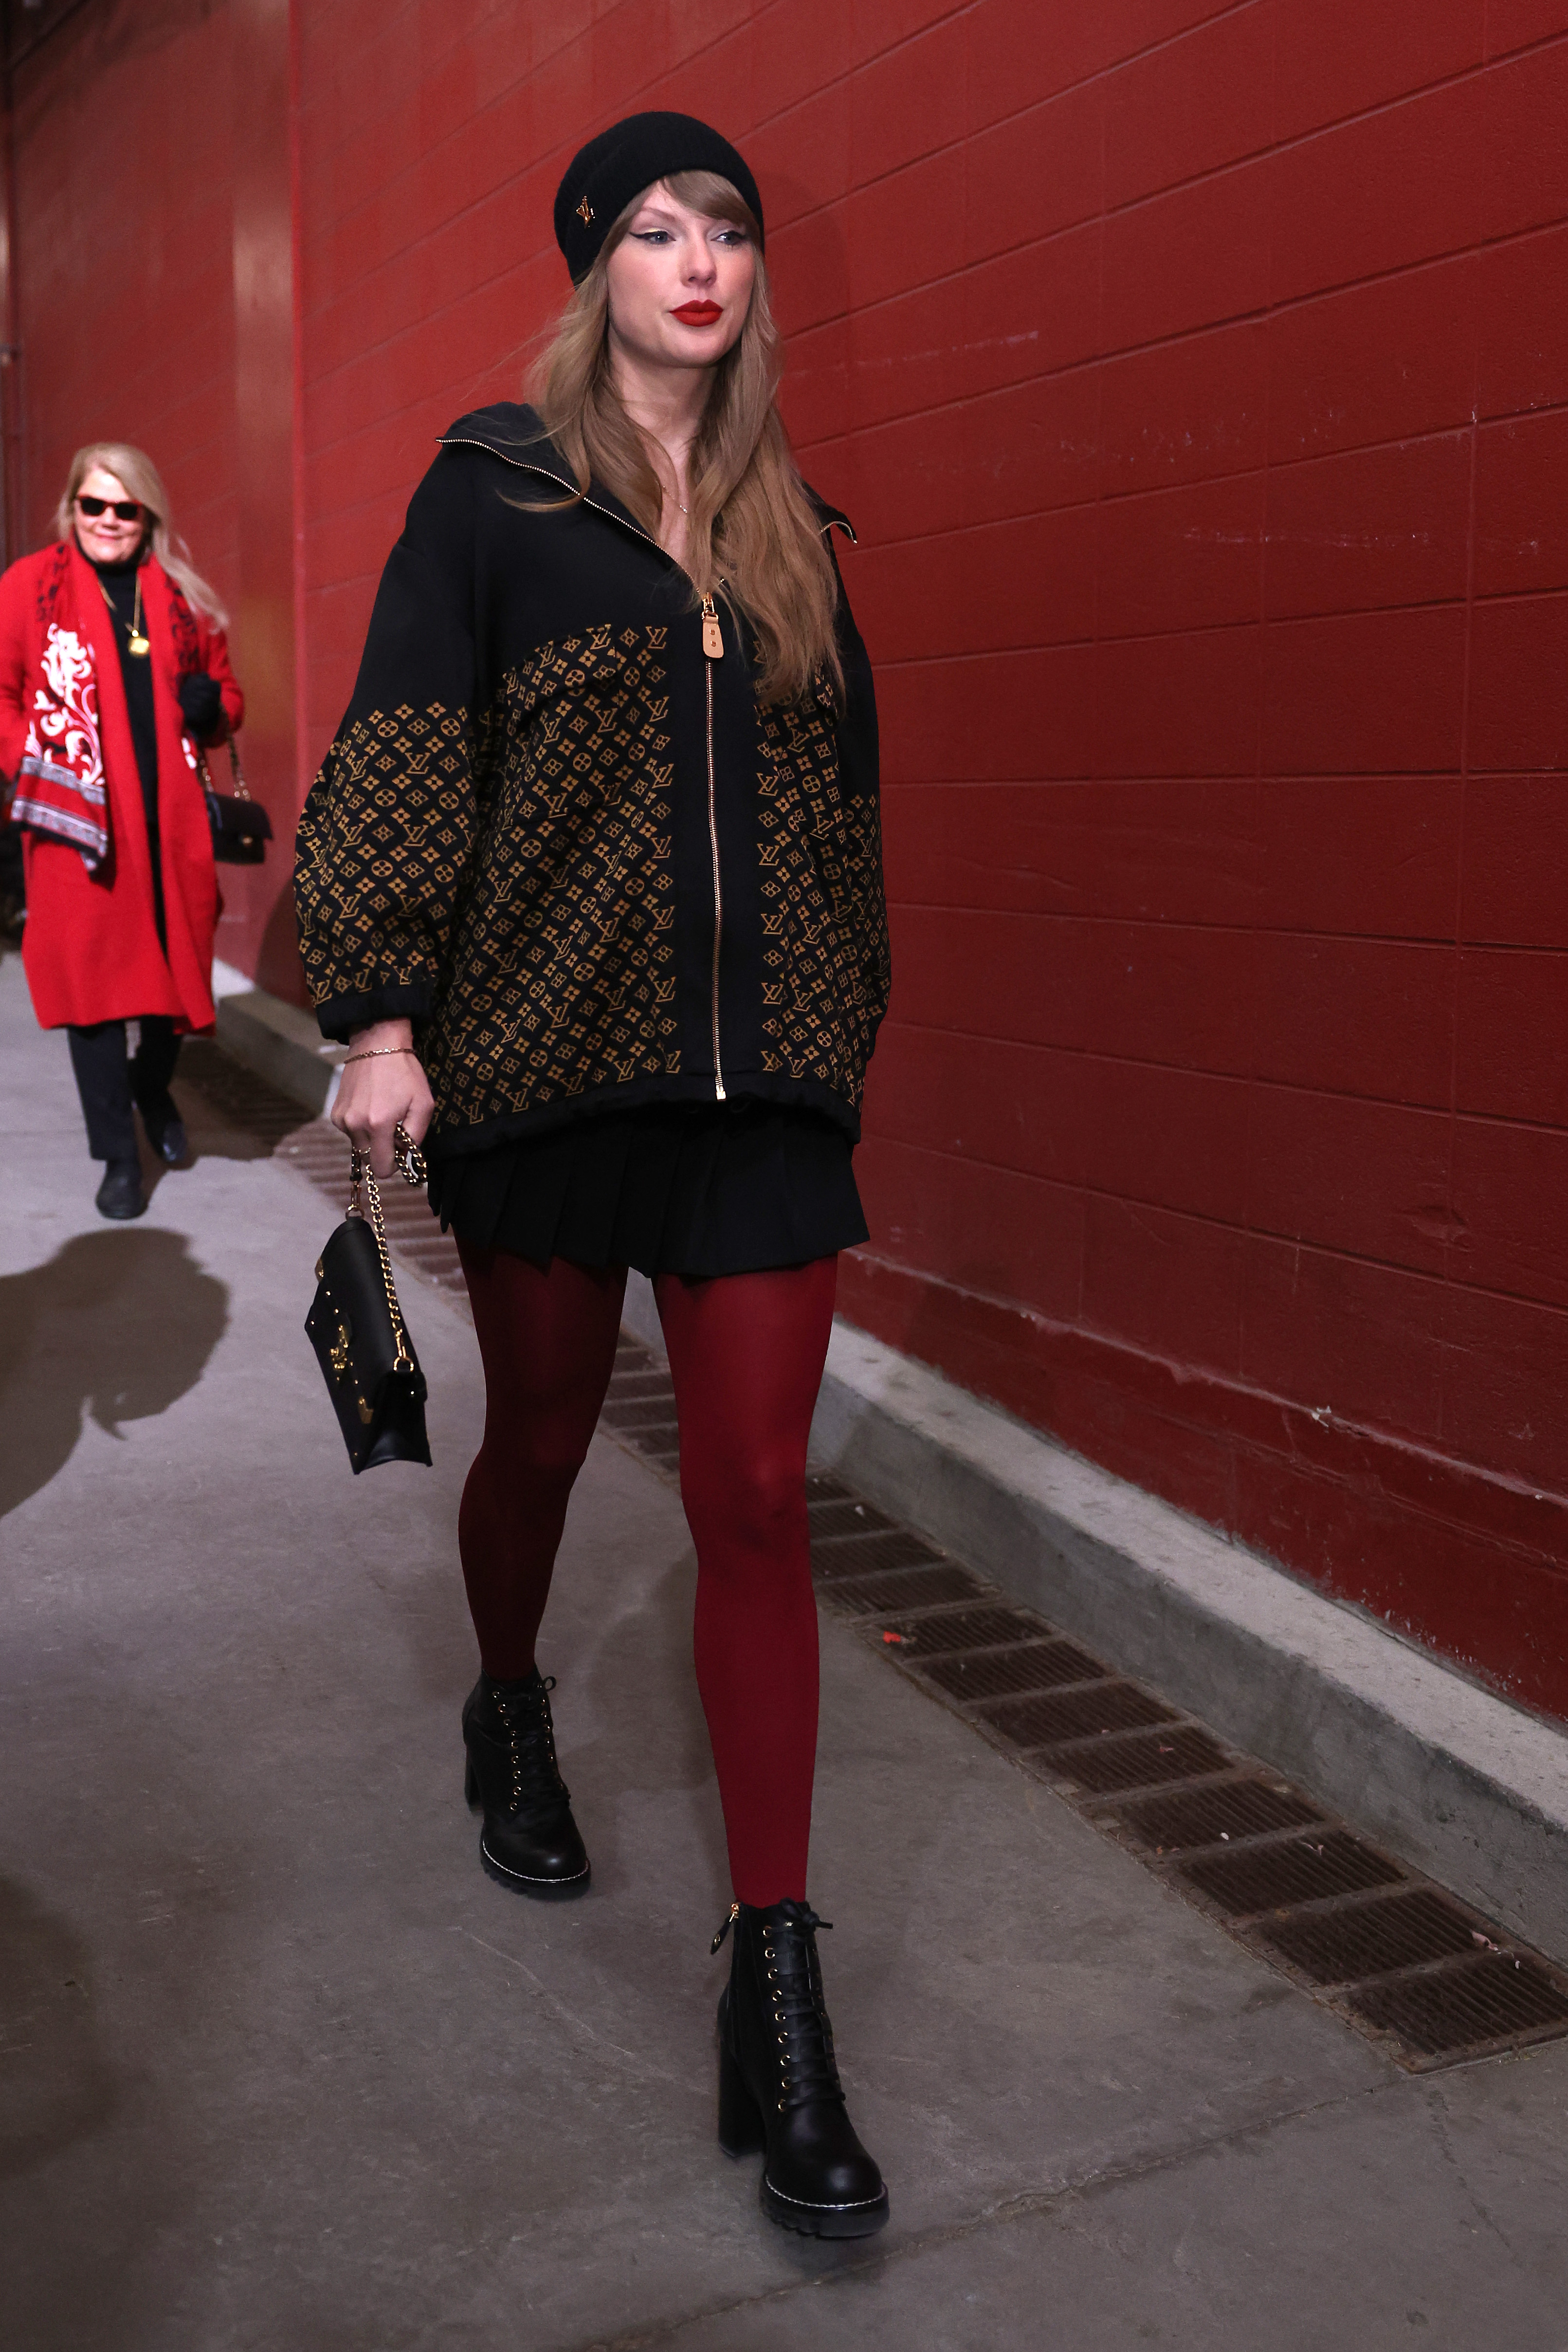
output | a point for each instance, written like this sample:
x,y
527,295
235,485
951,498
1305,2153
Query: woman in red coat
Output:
x,y
113,669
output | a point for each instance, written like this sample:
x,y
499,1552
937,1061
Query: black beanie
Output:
x,y
602,178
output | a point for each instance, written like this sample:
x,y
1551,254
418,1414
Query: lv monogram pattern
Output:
x,y
521,869
382,846
517,870
826,960
563,974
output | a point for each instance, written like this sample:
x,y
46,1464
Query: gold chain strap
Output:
x,y
411,1168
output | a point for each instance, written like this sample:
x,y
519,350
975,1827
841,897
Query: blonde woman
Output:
x,y
113,668
600,831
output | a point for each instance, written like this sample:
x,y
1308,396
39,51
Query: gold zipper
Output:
x,y
713,650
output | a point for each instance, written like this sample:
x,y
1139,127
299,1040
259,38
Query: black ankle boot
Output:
x,y
530,1841
779,2087
121,1193
166,1132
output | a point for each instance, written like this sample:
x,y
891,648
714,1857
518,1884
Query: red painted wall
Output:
x,y
1198,379
152,235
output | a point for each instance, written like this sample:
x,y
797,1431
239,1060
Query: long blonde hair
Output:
x,y
752,534
141,476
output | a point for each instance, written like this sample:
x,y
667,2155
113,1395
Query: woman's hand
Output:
x,y
201,703
387,1091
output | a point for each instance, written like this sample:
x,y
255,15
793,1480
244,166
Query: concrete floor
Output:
x,y
280,2068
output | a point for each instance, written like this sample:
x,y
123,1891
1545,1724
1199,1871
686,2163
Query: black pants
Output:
x,y
108,1080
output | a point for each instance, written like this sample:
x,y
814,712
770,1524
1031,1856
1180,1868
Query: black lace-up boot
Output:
x,y
530,1841
779,2087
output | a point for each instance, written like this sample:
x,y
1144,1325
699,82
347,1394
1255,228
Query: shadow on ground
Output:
x,y
61,2087
116,1326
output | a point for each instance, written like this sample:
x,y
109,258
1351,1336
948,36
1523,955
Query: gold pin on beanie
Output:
x,y
603,177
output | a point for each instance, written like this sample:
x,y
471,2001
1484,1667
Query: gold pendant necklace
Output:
x,y
137,641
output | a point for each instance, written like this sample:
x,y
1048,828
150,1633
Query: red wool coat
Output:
x,y
91,947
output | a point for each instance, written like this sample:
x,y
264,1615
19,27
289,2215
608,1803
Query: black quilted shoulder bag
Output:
x,y
241,827
356,1326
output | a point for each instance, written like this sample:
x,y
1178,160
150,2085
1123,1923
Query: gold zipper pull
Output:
x,y
713,635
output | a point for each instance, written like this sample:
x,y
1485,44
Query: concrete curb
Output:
x,y
275,1040
1444,1774
1447,1776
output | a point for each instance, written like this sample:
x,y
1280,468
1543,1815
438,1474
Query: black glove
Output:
x,y
200,702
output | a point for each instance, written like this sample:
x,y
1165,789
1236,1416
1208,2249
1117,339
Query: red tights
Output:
x,y
746,1352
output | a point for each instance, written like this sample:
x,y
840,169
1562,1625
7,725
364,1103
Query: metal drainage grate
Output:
x,y
1146,1759
1075,1713
642,1413
1391,1954
1493,2003
873,1596
845,1518
1027,1666
1339,1946
960,1629
1209,1816
858,1555
241,1099
1306,1869
640,1409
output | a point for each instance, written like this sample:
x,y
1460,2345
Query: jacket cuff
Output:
x,y
340,1016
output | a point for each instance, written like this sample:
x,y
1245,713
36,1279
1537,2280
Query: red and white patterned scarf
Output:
x,y
60,781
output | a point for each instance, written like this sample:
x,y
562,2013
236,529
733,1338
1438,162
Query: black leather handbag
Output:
x,y
241,826
356,1326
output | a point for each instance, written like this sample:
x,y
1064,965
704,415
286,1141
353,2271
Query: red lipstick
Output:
x,y
697,314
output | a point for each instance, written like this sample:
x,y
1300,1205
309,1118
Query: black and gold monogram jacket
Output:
x,y
568,844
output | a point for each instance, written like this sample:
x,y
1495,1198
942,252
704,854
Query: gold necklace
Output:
x,y
137,641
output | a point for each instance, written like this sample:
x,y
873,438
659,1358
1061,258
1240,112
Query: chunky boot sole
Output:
x,y
824,2220
542,1890
741,2133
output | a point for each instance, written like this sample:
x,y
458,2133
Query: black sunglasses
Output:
x,y
122,509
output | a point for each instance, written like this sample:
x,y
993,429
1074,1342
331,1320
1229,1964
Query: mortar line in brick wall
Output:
x,y
1275,621
1218,1077
1511,1122
1236,629
1075,782
1446,1360
1148,491
1325,1252
1257,316
1252,156
1261,722
329,107
1522,48
363,353
939,411
1184,1377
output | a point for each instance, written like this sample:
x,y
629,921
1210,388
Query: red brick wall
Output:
x,y
1198,379
152,233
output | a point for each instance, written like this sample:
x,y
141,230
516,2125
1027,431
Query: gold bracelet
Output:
x,y
371,1052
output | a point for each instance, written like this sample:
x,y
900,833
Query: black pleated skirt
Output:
x,y
723,1187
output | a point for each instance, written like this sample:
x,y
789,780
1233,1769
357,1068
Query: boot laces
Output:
x,y
530,1745
808,2070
